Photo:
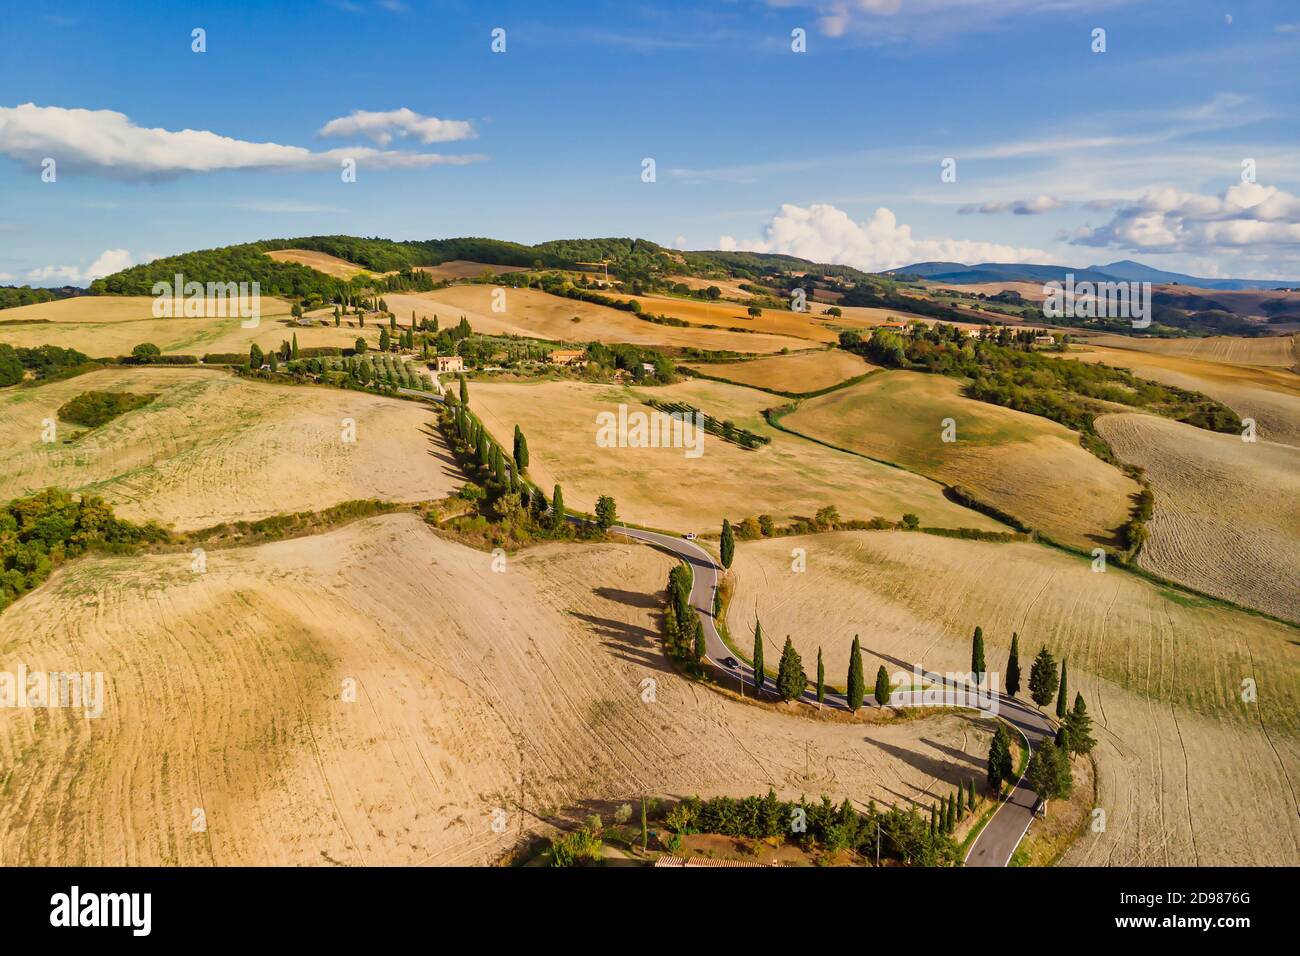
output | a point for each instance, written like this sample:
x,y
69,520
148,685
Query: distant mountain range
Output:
x,y
1125,270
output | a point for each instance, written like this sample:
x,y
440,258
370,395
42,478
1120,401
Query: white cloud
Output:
x,y
1020,207
380,127
109,261
108,143
1246,216
880,21
5,277
824,233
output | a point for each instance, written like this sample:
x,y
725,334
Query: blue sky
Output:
x,y
1062,154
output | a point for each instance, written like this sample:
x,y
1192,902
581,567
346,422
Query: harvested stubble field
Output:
x,y
793,374
322,262
108,326
1280,351
536,314
475,692
1033,291
730,288
730,315
868,317
1227,512
662,488
1268,394
1025,465
212,447
1189,774
466,269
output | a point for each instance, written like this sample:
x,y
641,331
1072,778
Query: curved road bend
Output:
x,y
1001,835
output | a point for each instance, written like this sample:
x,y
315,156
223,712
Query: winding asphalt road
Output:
x,y
1002,834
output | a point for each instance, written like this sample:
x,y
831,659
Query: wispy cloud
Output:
x,y
1019,207
893,21
109,144
380,127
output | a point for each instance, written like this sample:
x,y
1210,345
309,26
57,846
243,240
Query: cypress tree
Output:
x,y
950,814
645,832
484,452
1060,695
970,793
1042,678
760,676
275,362
521,454
882,687
1013,667
821,678
934,821
977,654
255,357
464,390
293,349
999,766
790,677
728,545
857,685
557,508
700,649
383,340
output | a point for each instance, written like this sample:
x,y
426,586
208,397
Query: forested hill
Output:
x,y
627,258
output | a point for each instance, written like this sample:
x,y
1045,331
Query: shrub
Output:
x,y
93,409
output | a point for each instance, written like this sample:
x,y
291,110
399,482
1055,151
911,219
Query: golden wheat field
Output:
x,y
109,326
313,720
1190,773
212,447
663,488
536,314
798,372
1227,512
1027,466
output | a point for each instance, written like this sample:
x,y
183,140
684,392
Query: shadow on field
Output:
x,y
630,598
629,642
930,766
